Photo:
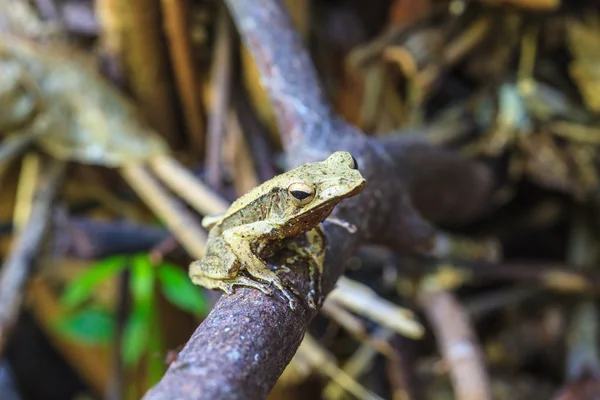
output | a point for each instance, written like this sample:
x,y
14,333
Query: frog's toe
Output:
x,y
227,288
213,284
266,289
314,299
245,281
292,302
283,269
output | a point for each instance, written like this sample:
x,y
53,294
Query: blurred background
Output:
x,y
104,302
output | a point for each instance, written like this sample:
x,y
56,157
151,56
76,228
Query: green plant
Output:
x,y
87,322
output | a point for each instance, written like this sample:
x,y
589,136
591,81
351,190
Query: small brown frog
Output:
x,y
258,223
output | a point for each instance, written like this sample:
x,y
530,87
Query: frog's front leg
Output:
x,y
242,240
314,253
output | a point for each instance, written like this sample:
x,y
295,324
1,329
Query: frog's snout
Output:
x,y
344,187
356,181
359,184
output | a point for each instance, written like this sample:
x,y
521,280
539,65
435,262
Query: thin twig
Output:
x,y
484,304
360,361
26,189
583,353
12,146
317,357
454,51
181,223
221,82
256,135
186,185
350,322
89,239
361,299
176,16
244,177
402,370
458,345
455,273
19,263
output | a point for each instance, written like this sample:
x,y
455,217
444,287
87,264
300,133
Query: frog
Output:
x,y
262,222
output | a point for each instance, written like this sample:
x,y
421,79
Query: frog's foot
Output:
x,y
314,256
211,283
314,286
283,268
214,272
241,280
239,241
261,272
315,294
227,285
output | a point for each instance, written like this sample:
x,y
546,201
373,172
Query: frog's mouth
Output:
x,y
356,185
317,214
322,212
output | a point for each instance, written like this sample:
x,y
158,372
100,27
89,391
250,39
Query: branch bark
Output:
x,y
240,350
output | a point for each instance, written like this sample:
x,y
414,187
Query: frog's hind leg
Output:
x,y
259,270
228,285
219,269
214,272
238,240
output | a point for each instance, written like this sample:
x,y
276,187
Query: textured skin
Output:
x,y
258,222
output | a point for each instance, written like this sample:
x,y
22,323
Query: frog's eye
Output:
x,y
301,193
354,163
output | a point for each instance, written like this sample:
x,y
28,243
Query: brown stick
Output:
x,y
185,184
221,78
181,223
90,239
18,265
176,15
458,345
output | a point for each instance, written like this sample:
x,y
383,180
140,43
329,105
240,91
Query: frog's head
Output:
x,y
315,189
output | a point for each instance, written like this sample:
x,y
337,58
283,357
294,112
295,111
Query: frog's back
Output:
x,y
256,205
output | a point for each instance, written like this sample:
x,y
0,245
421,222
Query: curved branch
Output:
x,y
243,346
287,72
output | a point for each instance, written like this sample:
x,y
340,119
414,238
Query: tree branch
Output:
x,y
243,346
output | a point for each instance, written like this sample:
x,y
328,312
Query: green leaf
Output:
x,y
91,326
139,324
135,338
82,287
179,290
141,281
156,367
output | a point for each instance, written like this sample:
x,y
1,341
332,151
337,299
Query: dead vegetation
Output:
x,y
471,271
